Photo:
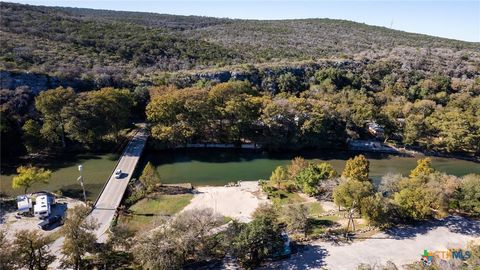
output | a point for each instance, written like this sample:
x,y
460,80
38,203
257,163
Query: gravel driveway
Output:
x,y
400,245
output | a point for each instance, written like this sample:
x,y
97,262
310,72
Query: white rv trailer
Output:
x,y
24,203
42,207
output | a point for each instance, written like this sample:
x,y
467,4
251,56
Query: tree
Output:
x,y
297,219
357,168
79,237
424,167
415,129
354,107
193,230
288,82
278,116
186,237
426,196
115,253
454,129
235,107
256,241
180,116
8,258
96,114
297,165
279,175
31,135
468,195
159,250
53,104
28,175
309,179
149,176
266,210
376,209
350,192
32,250
389,184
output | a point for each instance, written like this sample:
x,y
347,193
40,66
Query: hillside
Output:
x,y
333,76
85,43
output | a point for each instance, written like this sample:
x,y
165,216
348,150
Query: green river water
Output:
x,y
218,167
214,167
96,171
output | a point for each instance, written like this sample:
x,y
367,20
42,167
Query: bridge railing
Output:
x,y
113,170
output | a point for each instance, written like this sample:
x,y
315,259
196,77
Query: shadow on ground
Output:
x,y
58,209
306,257
456,224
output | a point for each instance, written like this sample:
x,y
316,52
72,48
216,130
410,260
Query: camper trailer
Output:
x,y
43,204
24,204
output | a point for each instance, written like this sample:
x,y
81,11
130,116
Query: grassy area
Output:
x,y
150,212
315,209
320,224
282,197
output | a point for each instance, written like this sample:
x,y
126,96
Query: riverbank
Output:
x,y
217,167
420,152
374,146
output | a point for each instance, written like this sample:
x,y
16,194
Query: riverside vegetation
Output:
x,y
76,78
193,238
425,96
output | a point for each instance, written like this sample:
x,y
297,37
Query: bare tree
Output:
x,y
188,236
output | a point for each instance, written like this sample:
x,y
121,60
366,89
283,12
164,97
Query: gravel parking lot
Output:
x,y
12,223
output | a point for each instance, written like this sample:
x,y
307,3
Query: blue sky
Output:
x,y
451,19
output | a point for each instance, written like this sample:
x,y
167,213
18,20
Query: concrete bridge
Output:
x,y
109,199
112,193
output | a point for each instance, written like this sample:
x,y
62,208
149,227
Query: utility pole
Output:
x,y
80,178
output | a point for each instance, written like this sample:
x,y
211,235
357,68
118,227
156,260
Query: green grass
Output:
x,y
315,209
150,212
332,218
319,225
282,197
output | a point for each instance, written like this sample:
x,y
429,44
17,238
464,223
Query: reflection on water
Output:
x,y
96,171
212,167
218,166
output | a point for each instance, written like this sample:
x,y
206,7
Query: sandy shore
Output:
x,y
235,202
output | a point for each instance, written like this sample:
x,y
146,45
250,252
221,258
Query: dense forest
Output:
x,y
95,43
284,84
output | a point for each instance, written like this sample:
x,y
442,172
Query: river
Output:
x,y
96,171
214,167
218,167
